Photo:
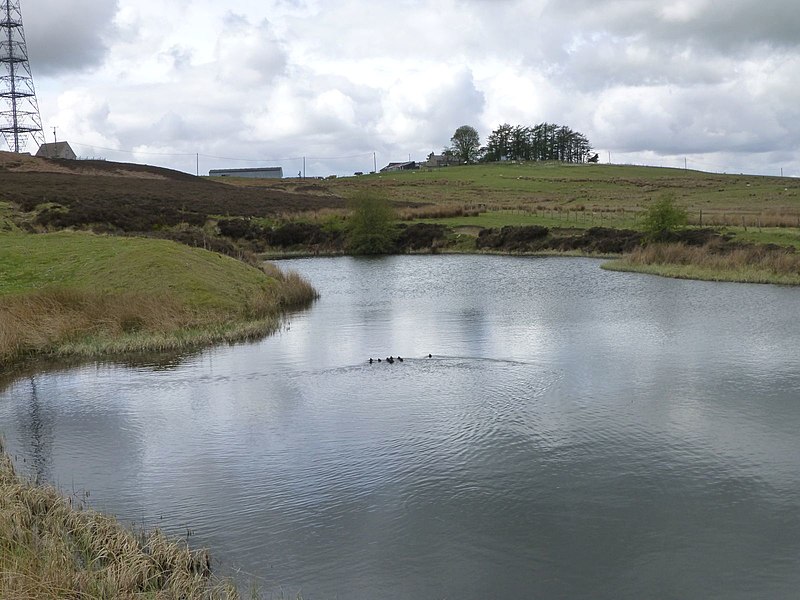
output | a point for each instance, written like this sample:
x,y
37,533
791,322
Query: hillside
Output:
x,y
240,215
529,187
128,197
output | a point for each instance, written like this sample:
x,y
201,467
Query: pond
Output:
x,y
575,433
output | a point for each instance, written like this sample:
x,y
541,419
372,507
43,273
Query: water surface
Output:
x,y
577,433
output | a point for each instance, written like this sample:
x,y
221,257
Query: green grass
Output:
x,y
545,218
582,196
112,264
78,294
780,236
590,186
7,212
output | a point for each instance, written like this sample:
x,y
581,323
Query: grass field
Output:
x,y
574,187
580,196
78,293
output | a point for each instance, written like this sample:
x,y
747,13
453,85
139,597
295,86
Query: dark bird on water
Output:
x,y
430,355
399,359
370,361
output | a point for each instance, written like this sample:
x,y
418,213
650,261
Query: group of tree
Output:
x,y
545,141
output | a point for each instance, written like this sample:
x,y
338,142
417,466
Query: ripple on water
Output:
x,y
644,446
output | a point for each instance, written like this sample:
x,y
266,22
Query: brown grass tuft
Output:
x,y
48,317
440,211
80,322
51,549
715,261
291,292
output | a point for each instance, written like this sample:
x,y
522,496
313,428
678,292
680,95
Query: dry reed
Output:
x,y
80,322
716,261
440,211
292,292
52,549
319,216
47,317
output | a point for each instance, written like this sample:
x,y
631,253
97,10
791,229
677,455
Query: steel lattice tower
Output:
x,y
19,110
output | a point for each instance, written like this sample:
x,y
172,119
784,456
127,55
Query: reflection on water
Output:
x,y
37,429
577,433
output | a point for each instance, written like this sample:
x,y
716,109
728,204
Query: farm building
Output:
x,y
440,160
56,150
255,173
400,166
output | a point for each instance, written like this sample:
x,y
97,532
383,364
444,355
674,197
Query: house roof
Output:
x,y
398,165
248,170
55,150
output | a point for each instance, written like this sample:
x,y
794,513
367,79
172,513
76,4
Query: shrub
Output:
x,y
240,229
296,233
664,217
370,228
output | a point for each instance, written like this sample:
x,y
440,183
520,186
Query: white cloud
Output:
x,y
643,79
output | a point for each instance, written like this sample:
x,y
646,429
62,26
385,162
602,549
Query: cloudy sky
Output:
x,y
647,81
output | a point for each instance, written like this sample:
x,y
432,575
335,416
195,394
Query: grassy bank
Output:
x,y
52,547
709,263
68,294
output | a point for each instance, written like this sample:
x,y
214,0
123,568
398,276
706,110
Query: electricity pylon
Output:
x,y
19,110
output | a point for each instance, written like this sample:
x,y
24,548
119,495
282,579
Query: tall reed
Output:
x,y
53,547
439,211
67,321
715,261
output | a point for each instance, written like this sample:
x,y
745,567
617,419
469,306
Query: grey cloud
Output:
x,y
67,36
606,62
722,27
699,120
